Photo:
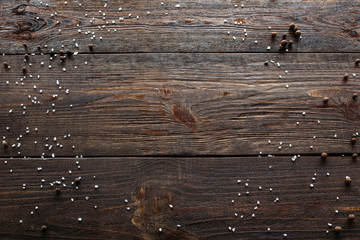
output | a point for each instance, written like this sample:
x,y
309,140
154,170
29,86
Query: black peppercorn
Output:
x,y
292,26
283,43
351,217
337,229
325,100
347,180
357,61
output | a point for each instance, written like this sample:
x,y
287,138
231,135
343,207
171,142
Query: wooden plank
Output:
x,y
196,26
201,191
181,104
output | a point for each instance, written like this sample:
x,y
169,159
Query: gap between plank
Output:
x,y
188,156
125,53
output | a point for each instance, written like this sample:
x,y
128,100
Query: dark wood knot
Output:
x,y
20,9
25,22
184,116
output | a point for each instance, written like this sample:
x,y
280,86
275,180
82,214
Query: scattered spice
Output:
x,y
351,217
354,96
292,26
347,180
283,43
357,61
43,228
325,100
282,47
69,54
346,76
337,229
77,180
5,144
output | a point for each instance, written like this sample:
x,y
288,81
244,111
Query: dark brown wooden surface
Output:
x,y
196,26
170,109
183,104
201,191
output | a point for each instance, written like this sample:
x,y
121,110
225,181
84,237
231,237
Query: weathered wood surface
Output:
x,y
181,104
195,26
200,189
170,109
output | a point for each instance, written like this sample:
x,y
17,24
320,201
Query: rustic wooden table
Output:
x,y
179,119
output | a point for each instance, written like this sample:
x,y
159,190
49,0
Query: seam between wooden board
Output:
x,y
127,53
192,156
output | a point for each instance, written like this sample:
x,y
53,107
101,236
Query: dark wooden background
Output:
x,y
167,112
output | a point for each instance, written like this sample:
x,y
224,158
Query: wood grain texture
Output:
x,y
195,26
181,104
171,110
200,190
